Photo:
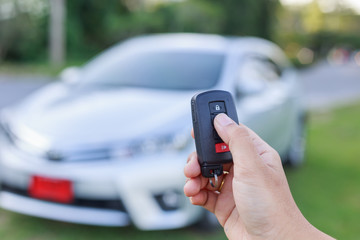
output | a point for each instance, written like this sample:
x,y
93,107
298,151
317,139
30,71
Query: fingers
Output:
x,y
201,196
206,199
237,137
197,187
210,199
222,211
192,186
192,167
192,170
247,148
195,181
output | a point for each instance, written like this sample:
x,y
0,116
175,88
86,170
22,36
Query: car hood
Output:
x,y
66,117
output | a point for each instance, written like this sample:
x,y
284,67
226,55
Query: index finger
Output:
x,y
192,167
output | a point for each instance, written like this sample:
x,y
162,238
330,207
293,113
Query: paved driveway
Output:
x,y
14,88
327,86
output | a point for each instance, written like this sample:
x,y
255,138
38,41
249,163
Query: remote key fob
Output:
x,y
212,151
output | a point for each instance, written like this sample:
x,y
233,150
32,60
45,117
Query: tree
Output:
x,y
23,29
57,47
248,17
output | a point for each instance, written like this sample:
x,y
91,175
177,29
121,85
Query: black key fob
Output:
x,y
212,151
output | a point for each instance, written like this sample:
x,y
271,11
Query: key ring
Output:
x,y
216,181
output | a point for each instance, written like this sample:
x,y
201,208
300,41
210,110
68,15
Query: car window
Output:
x,y
163,70
255,74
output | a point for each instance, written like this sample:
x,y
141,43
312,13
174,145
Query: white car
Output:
x,y
107,145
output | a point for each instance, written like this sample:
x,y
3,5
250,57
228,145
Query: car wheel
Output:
x,y
296,152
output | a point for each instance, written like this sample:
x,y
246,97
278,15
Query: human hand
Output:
x,y
254,201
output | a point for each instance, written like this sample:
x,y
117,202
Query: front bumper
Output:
x,y
135,182
34,207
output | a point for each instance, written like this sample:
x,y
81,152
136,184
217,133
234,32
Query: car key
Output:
x,y
212,151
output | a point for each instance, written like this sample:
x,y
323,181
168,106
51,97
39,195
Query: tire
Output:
x,y
296,153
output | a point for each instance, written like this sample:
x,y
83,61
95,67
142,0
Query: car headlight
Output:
x,y
22,137
175,142
5,131
2,127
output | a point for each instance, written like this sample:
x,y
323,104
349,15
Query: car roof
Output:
x,y
209,43
182,41
197,42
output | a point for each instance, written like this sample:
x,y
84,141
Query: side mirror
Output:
x,y
70,75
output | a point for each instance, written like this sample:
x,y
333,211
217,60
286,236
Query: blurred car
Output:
x,y
107,144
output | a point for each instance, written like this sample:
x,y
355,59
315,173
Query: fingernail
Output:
x,y
223,119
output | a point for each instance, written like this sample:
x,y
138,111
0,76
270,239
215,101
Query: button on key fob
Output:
x,y
212,151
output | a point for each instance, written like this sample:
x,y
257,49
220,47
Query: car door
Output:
x,y
262,100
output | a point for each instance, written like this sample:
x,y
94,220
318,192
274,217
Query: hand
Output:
x,y
254,201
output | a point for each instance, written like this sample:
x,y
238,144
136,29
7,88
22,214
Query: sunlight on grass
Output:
x,y
15,226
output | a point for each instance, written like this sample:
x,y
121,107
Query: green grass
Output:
x,y
326,188
15,226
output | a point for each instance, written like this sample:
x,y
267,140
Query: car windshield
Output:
x,y
163,70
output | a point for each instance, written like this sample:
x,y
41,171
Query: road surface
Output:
x,y
15,88
328,86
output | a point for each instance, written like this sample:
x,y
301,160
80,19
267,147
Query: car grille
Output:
x,y
113,204
76,156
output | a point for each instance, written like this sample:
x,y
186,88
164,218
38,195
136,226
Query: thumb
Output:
x,y
245,146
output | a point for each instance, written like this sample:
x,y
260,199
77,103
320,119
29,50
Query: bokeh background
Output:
x,y
39,38
306,29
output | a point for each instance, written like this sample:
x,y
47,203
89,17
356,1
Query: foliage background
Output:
x,y
92,26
